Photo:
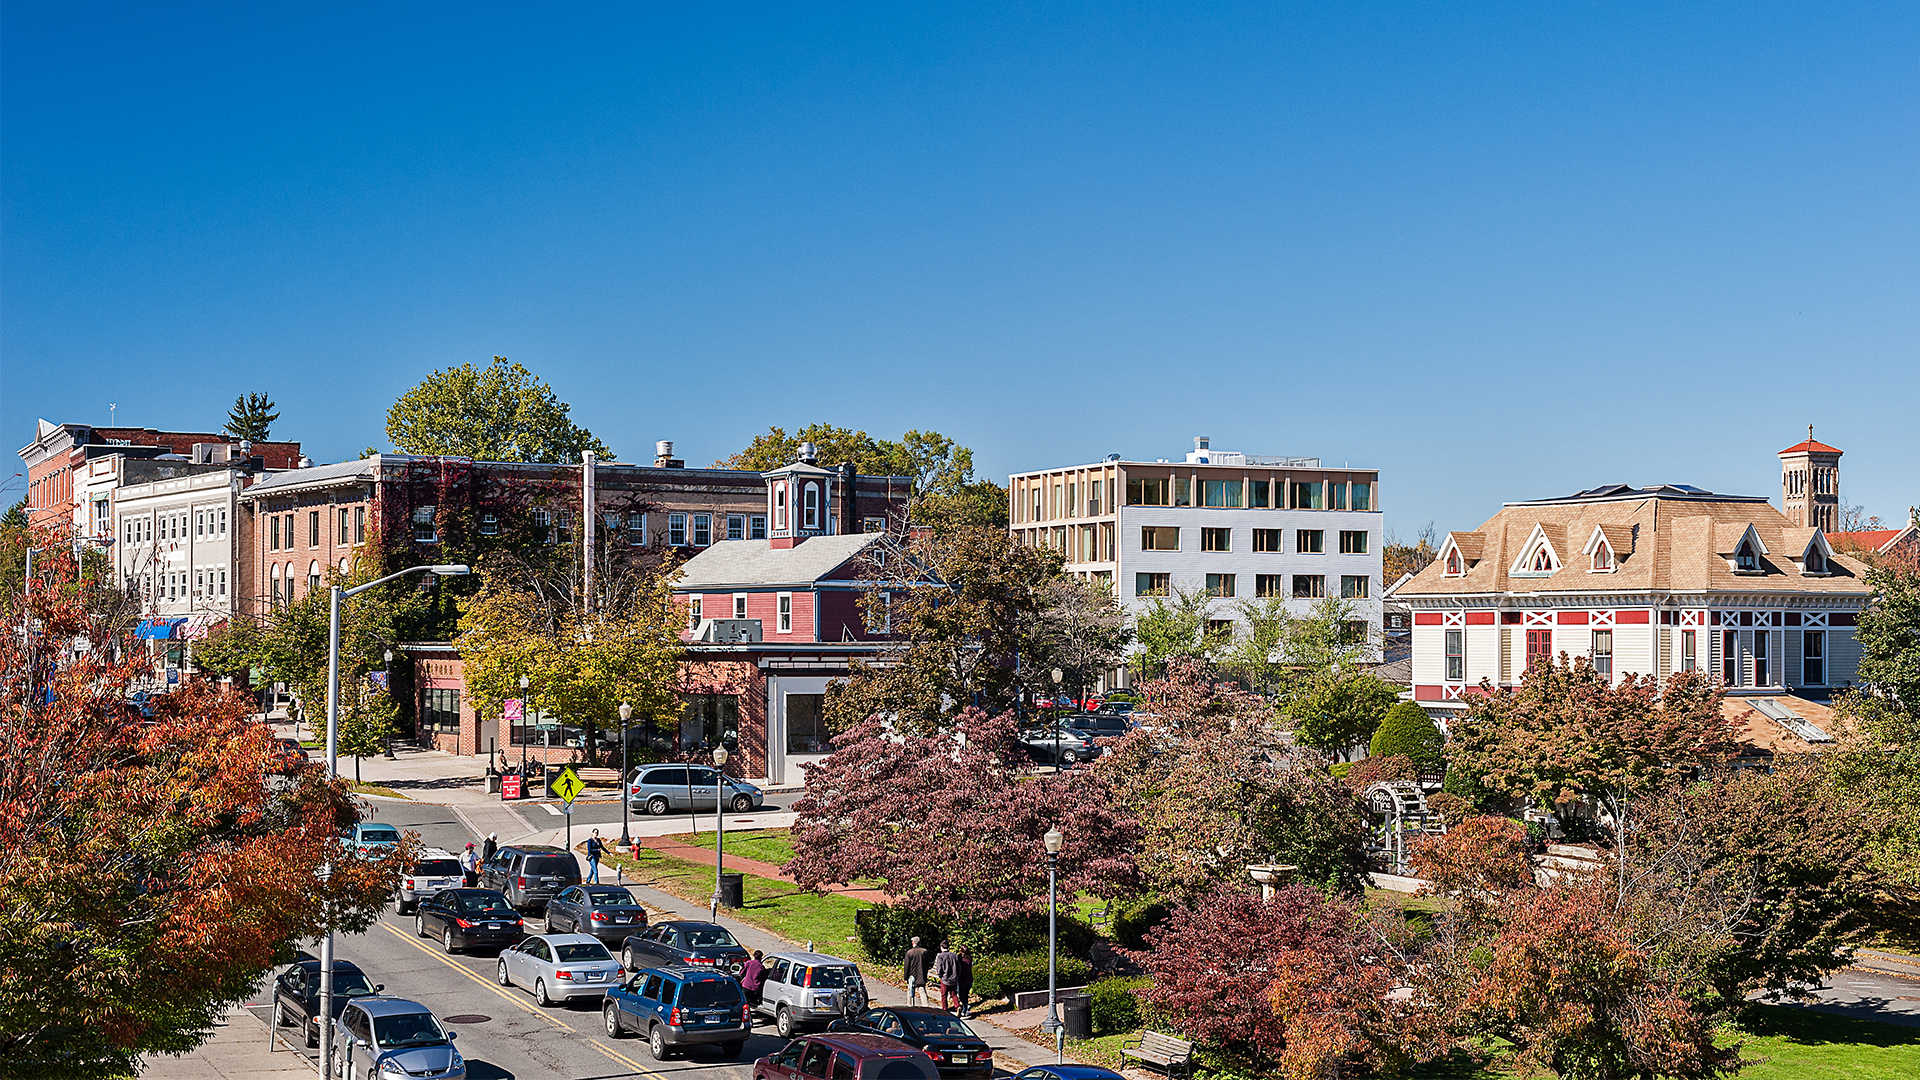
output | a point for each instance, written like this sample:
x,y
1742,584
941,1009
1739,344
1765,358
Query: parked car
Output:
x,y
434,870
608,912
680,1006
530,874
559,967
804,989
296,994
468,918
383,1037
290,756
371,838
1058,744
1099,725
1112,707
685,942
1067,1072
943,1037
846,1056
662,789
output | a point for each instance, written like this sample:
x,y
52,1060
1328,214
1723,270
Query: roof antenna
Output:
x,y
1809,432
111,405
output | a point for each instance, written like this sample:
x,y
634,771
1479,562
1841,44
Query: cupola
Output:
x,y
799,501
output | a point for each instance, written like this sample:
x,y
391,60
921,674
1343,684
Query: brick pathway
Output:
x,y
704,856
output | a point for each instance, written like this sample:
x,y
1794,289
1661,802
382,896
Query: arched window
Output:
x,y
780,507
1542,560
1746,558
313,576
1455,565
811,494
1602,557
273,593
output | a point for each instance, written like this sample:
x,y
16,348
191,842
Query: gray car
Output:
x,y
662,789
805,989
559,967
395,1035
608,912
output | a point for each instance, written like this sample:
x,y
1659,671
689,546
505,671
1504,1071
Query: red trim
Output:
x,y
1427,618
1573,618
1629,617
1510,618
1428,693
1479,618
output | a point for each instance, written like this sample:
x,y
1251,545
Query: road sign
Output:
x,y
510,786
569,785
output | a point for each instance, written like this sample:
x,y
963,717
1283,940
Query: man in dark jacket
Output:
x,y
946,968
916,972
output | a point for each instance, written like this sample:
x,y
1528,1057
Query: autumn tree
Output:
x,y
152,867
1481,863
1080,629
251,417
1399,558
950,823
1879,760
500,412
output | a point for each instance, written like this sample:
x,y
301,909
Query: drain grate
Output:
x,y
466,1018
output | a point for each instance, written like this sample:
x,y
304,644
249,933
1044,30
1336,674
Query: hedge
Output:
x,y
1002,975
1115,1004
1132,921
887,931
1408,731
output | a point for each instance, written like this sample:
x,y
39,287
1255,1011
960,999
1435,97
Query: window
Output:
x,y
613,521
1353,542
1218,630
739,605
702,530
1354,586
736,526
1746,559
1603,653
1354,632
273,593
1221,493
1216,539
1456,656
637,529
676,530
1309,586
693,613
564,524
1182,491
1219,584
1689,651
1730,658
1813,658
199,523
313,576
1602,558
359,524
440,710
780,507
1266,586
880,614
423,527
1159,538
1816,562
1541,562
489,523
273,532
1310,541
785,609
757,527
1308,495
1762,674
1152,584
346,526
223,581
1266,540
1362,495
1337,496
810,501
1148,492
1456,566
313,528
873,524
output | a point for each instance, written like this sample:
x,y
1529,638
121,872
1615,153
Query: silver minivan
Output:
x,y
662,789
805,989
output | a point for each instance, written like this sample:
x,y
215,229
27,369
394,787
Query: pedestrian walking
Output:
x,y
946,968
488,846
753,975
916,971
595,848
470,866
963,979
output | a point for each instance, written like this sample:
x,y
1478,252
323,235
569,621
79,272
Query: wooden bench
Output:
x,y
1173,1056
598,777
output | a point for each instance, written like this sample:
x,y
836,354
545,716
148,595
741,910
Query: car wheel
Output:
x,y
400,907
628,960
783,1022
500,972
742,803
447,939
279,1013
540,997
657,806
419,925
657,1042
1069,757
612,1014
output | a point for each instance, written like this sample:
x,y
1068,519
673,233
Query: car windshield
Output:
x,y
604,897
709,993
707,937
483,904
833,977
350,983
437,868
934,1024
407,1029
581,952
551,865
379,833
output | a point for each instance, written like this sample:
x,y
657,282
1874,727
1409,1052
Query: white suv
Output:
x,y
434,870
810,989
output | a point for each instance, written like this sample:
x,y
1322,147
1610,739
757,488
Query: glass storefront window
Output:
x,y
806,724
706,718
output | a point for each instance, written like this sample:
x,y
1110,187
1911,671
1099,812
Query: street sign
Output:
x,y
510,786
569,785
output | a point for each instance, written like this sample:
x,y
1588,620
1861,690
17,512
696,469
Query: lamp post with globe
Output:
x,y
626,713
1054,841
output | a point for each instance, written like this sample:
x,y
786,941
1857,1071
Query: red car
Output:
x,y
846,1057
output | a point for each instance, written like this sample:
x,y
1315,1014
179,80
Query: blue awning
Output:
x,y
159,629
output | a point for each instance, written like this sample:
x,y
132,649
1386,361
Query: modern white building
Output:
x,y
1238,527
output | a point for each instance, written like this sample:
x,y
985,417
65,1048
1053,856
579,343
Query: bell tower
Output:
x,y
799,501
1810,484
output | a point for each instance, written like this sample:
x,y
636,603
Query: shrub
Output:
x,y
1002,975
1132,921
1381,767
1452,808
1409,732
1340,769
887,931
1115,1005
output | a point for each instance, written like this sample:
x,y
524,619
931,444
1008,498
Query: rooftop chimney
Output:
x,y
305,462
663,456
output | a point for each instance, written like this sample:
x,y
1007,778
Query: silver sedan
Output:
x,y
559,967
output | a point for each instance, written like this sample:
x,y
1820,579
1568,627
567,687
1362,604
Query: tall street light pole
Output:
x,y
526,717
1059,721
1054,841
626,712
336,595
719,820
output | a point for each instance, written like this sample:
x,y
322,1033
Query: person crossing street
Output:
x,y
470,866
595,849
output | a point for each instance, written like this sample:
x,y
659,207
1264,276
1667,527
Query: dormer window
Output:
x,y
1456,566
810,494
1542,562
1746,560
1815,561
1602,559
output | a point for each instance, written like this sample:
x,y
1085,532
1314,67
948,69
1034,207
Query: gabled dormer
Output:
x,y
1607,547
1460,551
1742,548
1538,555
1816,558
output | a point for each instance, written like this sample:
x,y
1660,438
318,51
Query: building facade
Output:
x,y
1810,484
175,545
1233,526
64,490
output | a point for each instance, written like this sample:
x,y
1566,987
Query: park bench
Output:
x,y
598,777
1172,1056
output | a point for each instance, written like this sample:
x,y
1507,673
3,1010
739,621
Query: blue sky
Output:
x,y
1500,253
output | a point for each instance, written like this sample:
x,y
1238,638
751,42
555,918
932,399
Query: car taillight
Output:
x,y
567,975
599,916
409,882
522,881
462,923
931,1052
746,1013
983,1055
674,1017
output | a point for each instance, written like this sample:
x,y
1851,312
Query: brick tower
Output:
x,y
1810,484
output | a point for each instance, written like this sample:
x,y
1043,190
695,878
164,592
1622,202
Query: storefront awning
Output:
x,y
159,629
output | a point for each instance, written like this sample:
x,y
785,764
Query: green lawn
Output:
x,y
375,789
793,913
766,845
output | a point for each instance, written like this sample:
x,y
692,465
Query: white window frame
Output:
x,y
637,529
677,530
489,522
693,613
702,530
739,605
1689,650
784,607
736,526
810,503
423,515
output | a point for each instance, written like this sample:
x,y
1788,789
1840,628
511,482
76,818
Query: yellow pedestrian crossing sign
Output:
x,y
569,786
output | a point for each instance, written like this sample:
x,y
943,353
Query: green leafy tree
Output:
x,y
1172,629
1879,761
1327,696
368,718
251,417
1408,731
500,412
1080,630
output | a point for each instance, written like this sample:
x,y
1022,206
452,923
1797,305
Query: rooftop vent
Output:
x,y
663,456
807,453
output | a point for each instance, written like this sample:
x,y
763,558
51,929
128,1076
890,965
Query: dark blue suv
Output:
x,y
680,1006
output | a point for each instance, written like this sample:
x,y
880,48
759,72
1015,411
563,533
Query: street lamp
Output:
x,y
525,719
386,669
1058,720
1054,841
719,820
333,771
626,711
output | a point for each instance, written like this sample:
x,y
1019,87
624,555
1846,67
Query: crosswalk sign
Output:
x,y
569,786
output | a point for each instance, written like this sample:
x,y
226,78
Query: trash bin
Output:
x,y
1076,1015
733,890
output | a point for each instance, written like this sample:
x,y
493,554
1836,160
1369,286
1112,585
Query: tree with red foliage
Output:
x,y
948,822
1481,862
1296,986
152,865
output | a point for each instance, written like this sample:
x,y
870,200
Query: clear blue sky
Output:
x,y
1500,253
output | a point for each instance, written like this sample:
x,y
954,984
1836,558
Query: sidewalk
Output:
x,y
237,1049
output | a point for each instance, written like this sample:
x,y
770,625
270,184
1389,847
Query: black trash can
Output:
x,y
733,890
1076,1015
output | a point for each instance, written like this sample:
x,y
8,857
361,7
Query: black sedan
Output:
x,y
608,912
468,918
296,994
956,1051
684,941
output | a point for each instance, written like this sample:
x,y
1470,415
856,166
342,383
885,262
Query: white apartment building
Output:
x,y
174,543
1240,528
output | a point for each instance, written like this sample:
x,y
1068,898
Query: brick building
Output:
x,y
58,468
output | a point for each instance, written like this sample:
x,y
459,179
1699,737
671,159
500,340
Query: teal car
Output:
x,y
371,838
